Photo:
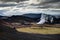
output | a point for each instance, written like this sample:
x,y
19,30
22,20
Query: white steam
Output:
x,y
42,19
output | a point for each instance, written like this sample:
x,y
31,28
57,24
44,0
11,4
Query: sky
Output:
x,y
43,3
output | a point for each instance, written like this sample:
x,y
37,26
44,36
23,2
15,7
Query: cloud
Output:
x,y
11,0
49,1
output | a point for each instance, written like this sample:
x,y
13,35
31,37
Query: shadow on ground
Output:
x,y
7,33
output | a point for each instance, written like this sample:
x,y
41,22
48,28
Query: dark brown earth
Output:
x,y
9,33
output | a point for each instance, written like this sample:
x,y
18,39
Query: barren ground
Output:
x,y
29,32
